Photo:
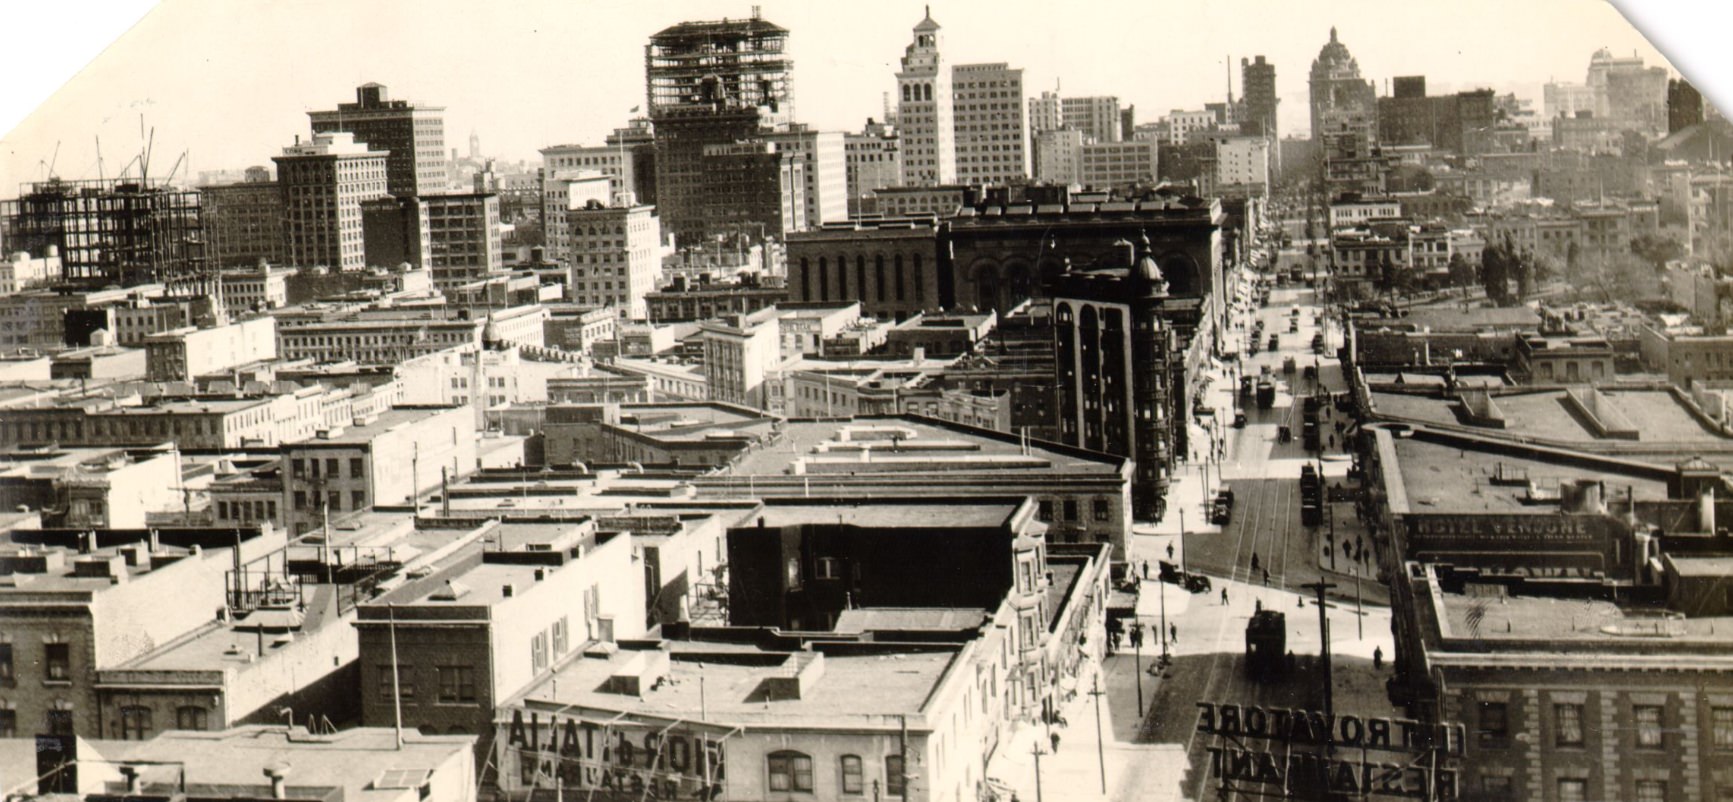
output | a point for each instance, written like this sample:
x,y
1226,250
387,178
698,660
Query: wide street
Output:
x,y
1158,755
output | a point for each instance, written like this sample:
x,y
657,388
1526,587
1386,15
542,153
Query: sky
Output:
x,y
227,84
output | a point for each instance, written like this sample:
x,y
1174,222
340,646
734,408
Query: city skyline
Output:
x,y
845,60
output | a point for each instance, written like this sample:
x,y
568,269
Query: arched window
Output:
x,y
192,717
805,280
852,777
823,279
790,771
926,91
135,723
905,93
894,775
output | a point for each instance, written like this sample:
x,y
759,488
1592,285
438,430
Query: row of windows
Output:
x,y
792,771
1101,509
456,684
56,663
1492,728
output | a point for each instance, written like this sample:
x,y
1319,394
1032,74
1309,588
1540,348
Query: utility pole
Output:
x,y
1137,649
1100,745
1324,640
1035,749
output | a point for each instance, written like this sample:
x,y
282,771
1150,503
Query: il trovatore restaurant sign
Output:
x,y
1306,754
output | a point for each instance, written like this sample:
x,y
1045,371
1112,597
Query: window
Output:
x,y
790,771
829,568
852,782
1568,724
60,722
405,682
191,717
1651,791
1648,720
539,652
1573,789
358,499
562,636
894,775
1495,783
1071,509
134,723
7,674
1721,724
1103,509
356,469
8,723
1494,724
1045,511
59,659
456,684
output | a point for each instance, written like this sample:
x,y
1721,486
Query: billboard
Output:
x,y
1311,754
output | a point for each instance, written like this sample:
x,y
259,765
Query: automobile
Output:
x,y
1294,312
1225,495
1196,583
1221,514
1239,420
1275,341
1288,364
1284,434
1311,372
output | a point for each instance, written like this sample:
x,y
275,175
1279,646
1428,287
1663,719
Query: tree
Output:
x,y
1462,273
1495,273
1656,250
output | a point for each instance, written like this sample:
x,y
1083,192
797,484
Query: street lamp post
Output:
x,y
1182,540
1100,741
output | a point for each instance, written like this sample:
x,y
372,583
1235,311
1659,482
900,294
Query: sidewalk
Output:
x,y
1075,770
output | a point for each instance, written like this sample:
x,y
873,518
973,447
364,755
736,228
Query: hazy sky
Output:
x,y
230,82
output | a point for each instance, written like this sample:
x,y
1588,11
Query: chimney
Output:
x,y
133,781
507,591
278,773
541,574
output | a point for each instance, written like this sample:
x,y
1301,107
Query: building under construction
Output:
x,y
121,233
710,83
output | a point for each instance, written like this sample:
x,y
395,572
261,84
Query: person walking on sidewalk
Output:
x,y
1254,561
1173,633
1170,550
1054,738
1266,577
1145,569
1224,597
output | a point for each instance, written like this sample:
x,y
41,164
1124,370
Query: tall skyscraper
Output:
x,y
991,140
924,110
324,183
1258,86
412,136
1045,113
1337,90
709,84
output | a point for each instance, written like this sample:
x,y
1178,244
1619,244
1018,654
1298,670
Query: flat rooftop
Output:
x,y
387,420
871,686
903,444
353,759
882,515
1547,414
1447,478
1582,620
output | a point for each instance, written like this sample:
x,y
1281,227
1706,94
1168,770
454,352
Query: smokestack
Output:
x,y
278,774
133,781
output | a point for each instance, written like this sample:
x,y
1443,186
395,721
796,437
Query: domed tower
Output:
x,y
1336,85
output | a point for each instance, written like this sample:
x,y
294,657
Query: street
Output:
x,y
1159,755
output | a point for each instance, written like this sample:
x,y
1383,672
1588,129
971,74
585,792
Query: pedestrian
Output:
x,y
1266,577
1224,596
1170,549
1054,738
1173,633
1145,569
1254,561
1258,605
1378,657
